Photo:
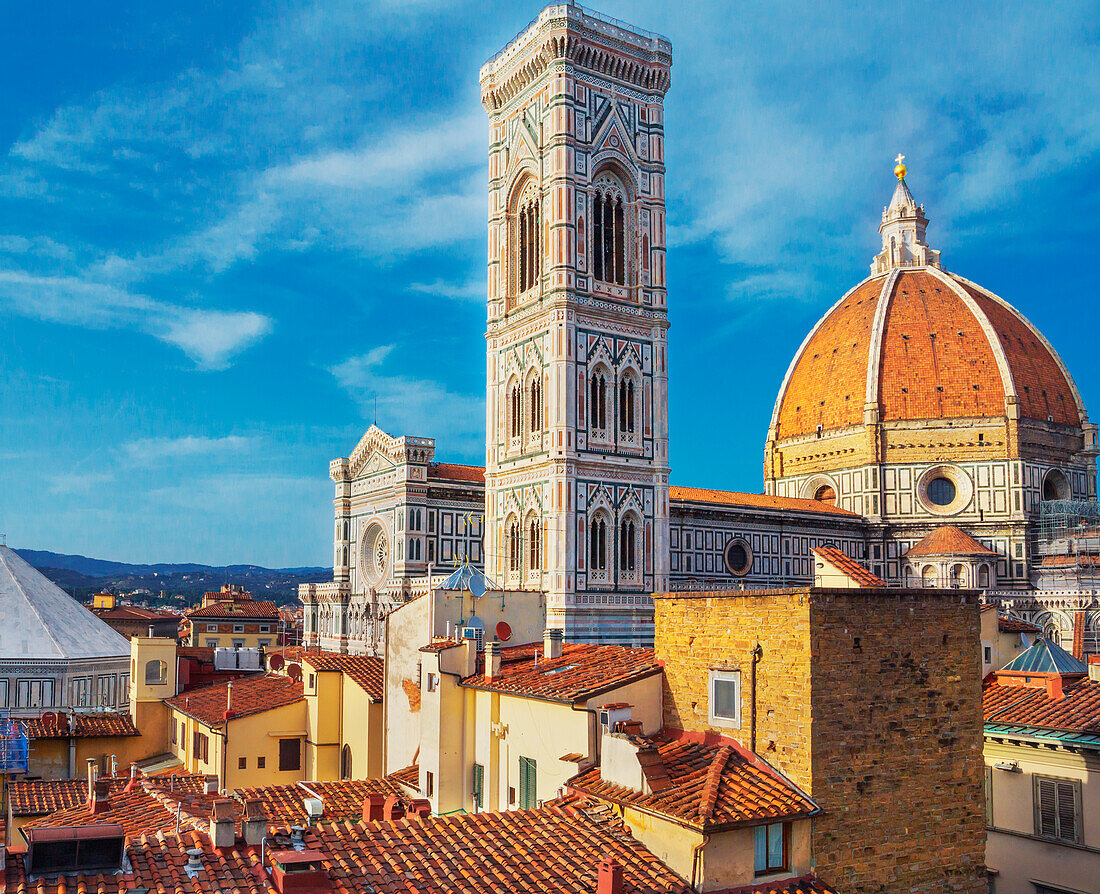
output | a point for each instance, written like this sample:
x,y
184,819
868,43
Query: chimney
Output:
x,y
372,807
91,781
609,877
1079,635
151,631
132,784
101,796
1054,687
551,643
492,660
229,713
223,828
210,785
421,808
1094,668
393,809
255,822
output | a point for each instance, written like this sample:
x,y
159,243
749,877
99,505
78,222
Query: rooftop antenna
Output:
x,y
375,422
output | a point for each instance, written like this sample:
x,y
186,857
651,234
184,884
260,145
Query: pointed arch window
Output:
x,y
597,544
609,231
598,401
535,544
526,252
515,545
626,404
535,401
515,410
628,545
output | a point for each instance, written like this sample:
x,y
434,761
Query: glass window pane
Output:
x,y
725,693
775,846
761,858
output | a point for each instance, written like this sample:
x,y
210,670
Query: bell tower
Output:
x,y
577,378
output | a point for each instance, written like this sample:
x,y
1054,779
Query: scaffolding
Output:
x,y
1065,545
13,745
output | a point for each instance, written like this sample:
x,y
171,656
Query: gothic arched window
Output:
x,y
628,545
535,545
599,401
515,545
535,400
515,407
597,544
526,252
609,231
626,404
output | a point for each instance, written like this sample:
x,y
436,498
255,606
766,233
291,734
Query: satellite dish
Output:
x,y
49,719
475,622
276,662
504,631
295,673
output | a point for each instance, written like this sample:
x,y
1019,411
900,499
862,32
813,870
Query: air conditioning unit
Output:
x,y
612,714
477,634
314,807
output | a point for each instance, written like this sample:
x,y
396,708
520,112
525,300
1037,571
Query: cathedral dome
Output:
x,y
913,342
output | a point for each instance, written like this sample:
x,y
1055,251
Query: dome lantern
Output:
x,y
902,228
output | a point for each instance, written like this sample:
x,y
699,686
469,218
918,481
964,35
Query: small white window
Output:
x,y
987,654
211,628
265,628
238,628
211,644
433,682
725,698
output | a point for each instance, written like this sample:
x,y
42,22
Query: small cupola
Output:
x,y
902,228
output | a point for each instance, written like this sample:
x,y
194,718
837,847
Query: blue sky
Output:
x,y
225,228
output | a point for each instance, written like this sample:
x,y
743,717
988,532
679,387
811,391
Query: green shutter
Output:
x,y
478,792
528,797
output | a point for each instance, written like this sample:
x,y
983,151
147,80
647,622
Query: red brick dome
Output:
x,y
918,343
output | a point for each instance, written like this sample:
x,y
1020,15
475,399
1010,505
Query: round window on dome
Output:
x,y
941,491
826,494
738,558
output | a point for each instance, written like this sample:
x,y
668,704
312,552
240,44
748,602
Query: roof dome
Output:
x,y
914,342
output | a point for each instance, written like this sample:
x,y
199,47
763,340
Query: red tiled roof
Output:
x,y
843,562
948,540
366,671
705,786
807,884
133,613
283,805
40,797
584,669
408,776
82,726
251,695
137,812
754,501
228,609
205,654
1076,559
1013,624
456,472
1078,712
552,850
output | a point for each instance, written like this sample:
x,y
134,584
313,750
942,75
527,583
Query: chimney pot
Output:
x,y
210,785
551,643
492,660
609,877
101,795
223,828
254,826
421,807
393,809
373,806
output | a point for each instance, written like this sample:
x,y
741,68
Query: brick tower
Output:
x,y
577,418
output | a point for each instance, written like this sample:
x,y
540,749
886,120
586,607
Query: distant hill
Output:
x,y
81,576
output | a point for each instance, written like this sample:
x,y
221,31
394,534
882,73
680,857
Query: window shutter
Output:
x,y
1046,794
479,785
1067,811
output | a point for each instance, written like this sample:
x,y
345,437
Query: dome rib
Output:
x,y
874,351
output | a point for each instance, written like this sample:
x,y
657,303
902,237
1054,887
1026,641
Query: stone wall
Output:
x,y
868,699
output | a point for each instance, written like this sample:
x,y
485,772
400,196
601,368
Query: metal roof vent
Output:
x,y
194,863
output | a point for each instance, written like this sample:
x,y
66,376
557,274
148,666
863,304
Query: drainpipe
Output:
x,y
757,654
696,853
593,734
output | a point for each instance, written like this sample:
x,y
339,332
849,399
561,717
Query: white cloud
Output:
x,y
209,337
146,451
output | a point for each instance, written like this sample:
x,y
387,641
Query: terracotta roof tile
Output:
x,y
843,562
584,669
711,786
40,797
949,540
137,812
246,608
133,613
251,695
343,800
754,501
456,472
1082,559
1078,712
82,726
807,884
1014,624
366,671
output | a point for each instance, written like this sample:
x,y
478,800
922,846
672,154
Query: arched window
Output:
x,y
156,672
958,576
628,545
597,544
609,232
535,401
983,576
626,404
1055,486
535,544
526,253
515,545
599,401
515,406
928,576
345,763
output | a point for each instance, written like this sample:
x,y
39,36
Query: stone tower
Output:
x,y
577,377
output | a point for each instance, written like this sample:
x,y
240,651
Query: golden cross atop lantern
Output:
x,y
900,171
